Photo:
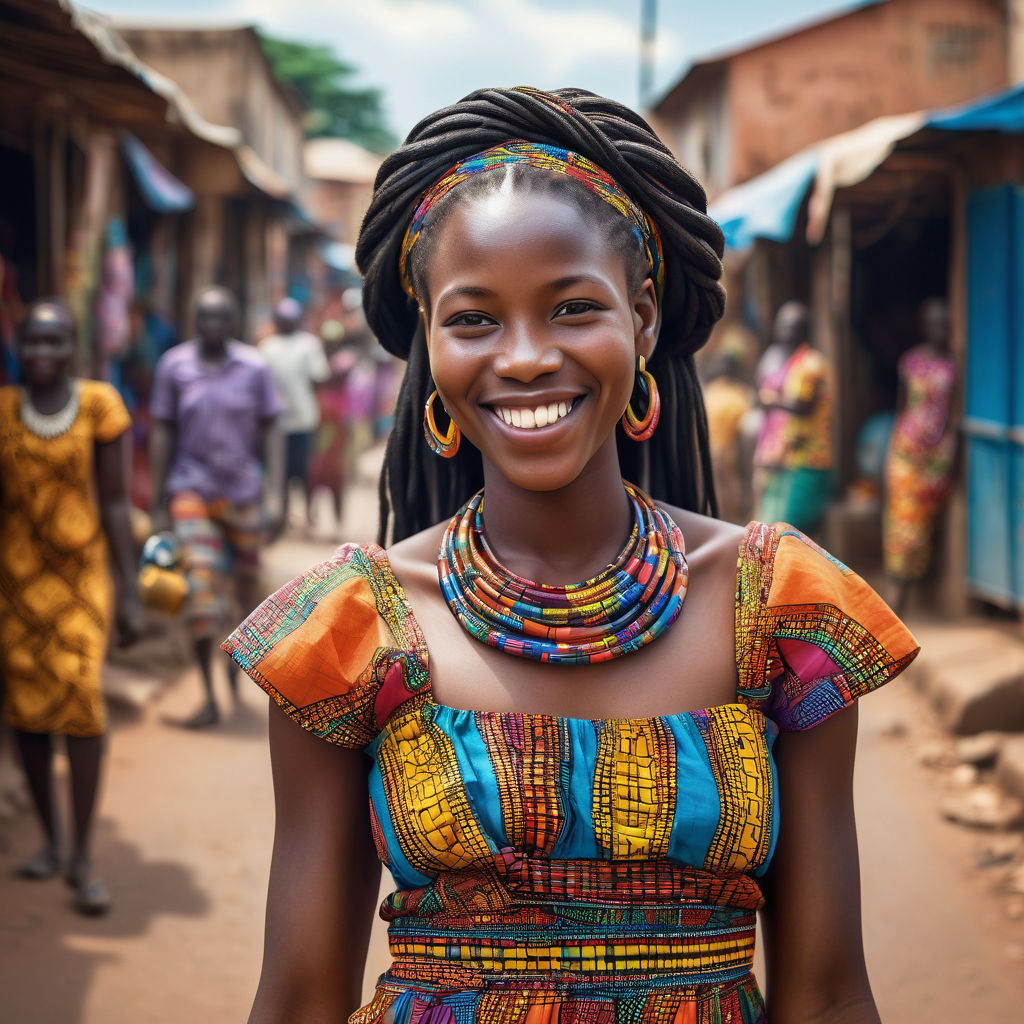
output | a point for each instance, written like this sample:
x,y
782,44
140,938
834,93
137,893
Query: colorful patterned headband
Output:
x,y
548,158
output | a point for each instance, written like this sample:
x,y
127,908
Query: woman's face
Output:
x,y
533,334
46,348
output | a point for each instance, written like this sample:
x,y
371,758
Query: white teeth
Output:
x,y
528,419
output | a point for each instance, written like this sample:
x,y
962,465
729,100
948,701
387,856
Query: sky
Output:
x,y
424,54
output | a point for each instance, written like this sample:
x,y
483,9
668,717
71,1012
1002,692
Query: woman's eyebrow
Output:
x,y
574,279
466,290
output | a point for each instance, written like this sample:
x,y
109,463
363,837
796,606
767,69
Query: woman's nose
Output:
x,y
526,354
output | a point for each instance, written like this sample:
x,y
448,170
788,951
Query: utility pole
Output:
x,y
648,30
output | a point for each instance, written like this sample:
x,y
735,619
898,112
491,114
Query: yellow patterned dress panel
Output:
x,y
634,791
426,797
740,760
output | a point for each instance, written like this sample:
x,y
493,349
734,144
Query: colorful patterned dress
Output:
x,y
553,870
56,593
920,461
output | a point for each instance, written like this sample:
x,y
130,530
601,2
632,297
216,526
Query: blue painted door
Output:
x,y
994,405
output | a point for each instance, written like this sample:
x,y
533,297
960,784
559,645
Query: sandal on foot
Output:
x,y
92,899
42,866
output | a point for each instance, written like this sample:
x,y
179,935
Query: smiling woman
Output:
x,y
582,707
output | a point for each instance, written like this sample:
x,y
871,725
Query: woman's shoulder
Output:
x,y
709,541
336,591
811,635
324,644
413,560
103,404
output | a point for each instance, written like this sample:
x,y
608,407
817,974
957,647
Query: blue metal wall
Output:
x,y
994,406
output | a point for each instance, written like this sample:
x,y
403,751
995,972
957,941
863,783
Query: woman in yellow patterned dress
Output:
x,y
63,512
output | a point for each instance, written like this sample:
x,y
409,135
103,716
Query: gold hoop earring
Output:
x,y
636,428
445,445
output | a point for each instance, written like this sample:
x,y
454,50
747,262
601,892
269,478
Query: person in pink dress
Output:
x,y
921,452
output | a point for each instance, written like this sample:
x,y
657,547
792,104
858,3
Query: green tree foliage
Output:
x,y
336,108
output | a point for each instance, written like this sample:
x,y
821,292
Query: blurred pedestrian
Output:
x,y
921,451
346,398
297,362
64,518
216,461
727,399
794,449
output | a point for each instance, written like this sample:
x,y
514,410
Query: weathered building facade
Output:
x,y
734,116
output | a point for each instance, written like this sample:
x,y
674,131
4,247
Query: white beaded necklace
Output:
x,y
49,425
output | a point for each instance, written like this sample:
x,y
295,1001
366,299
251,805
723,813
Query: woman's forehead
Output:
x,y
502,221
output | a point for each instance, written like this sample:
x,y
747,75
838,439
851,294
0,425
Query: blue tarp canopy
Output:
x,y
767,206
1003,112
160,189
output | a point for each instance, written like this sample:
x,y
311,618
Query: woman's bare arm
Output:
x,y
113,483
812,925
324,879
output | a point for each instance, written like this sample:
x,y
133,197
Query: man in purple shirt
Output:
x,y
216,459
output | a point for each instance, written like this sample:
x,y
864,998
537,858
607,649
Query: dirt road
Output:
x,y
185,837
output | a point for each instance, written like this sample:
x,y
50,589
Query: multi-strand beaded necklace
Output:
x,y
626,606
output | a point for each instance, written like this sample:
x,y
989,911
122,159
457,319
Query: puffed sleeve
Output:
x,y
109,416
811,635
322,651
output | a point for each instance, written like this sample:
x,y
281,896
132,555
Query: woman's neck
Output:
x,y
51,396
564,536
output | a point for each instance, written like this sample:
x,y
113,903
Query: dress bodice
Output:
x,y
541,854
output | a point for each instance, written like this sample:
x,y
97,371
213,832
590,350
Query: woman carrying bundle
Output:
x,y
575,785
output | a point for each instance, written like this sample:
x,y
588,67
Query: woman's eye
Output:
x,y
575,308
468,320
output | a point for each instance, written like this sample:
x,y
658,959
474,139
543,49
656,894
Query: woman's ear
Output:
x,y
645,319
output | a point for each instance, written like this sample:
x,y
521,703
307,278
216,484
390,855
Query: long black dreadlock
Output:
x,y
418,489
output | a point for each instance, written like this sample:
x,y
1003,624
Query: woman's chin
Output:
x,y
537,475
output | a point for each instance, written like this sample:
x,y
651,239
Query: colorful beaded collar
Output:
x,y
623,608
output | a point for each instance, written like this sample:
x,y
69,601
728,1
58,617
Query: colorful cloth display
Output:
x,y
561,869
920,462
56,594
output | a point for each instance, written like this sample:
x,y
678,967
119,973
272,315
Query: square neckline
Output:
x,y
379,557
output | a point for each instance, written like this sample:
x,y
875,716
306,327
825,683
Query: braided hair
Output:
x,y
418,489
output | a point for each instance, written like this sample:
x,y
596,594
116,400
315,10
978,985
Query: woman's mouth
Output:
x,y
532,417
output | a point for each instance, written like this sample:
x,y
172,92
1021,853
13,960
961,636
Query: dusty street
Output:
x,y
184,842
